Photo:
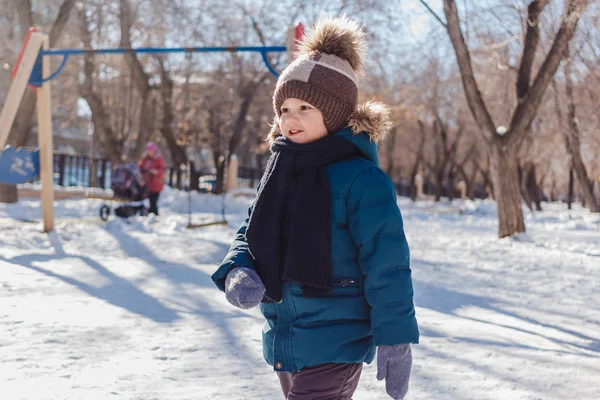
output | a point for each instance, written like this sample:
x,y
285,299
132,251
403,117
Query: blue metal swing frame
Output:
x,y
37,80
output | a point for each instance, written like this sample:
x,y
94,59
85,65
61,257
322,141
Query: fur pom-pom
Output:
x,y
339,36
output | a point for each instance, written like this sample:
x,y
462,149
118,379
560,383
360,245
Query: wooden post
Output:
x,y
232,173
44,116
462,186
294,34
419,185
18,86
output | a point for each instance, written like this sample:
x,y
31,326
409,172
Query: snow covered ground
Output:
x,y
128,311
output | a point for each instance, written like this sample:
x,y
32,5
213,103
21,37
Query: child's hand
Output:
x,y
393,365
243,288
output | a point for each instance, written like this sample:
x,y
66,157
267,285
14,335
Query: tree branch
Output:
x,y
140,77
527,107
433,13
473,94
532,38
60,21
25,16
255,26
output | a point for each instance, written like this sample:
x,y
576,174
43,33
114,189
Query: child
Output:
x,y
323,250
152,167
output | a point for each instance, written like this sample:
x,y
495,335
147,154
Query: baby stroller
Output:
x,y
128,187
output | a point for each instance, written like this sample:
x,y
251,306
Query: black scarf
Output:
x,y
289,231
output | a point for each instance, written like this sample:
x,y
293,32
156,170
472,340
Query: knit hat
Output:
x,y
326,71
151,146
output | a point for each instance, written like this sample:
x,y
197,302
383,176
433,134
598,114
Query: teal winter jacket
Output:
x,y
371,302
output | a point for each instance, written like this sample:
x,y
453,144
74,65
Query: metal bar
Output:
x,y
61,169
266,60
123,50
103,174
54,75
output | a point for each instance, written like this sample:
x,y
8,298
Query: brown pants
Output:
x,y
321,382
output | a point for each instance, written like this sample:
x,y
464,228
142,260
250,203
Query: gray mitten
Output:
x,y
393,365
243,288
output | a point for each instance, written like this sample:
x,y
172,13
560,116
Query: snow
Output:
x,y
121,310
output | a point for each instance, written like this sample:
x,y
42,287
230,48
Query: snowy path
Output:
x,y
128,311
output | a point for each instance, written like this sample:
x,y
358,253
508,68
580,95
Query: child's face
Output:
x,y
301,122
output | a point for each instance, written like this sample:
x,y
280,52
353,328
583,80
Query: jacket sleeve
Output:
x,y
238,256
376,226
162,166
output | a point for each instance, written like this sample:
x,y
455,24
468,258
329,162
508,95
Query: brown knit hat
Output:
x,y
326,71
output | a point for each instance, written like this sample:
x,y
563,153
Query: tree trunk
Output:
x,y
531,190
471,184
220,175
524,191
194,176
553,196
178,155
439,180
574,148
240,121
571,188
413,185
505,181
147,126
468,180
534,189
141,81
418,159
390,153
529,99
574,144
107,138
451,181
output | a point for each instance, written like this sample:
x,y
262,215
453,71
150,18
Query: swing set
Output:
x,y
33,69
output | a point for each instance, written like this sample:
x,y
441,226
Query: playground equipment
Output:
x,y
18,165
194,225
33,69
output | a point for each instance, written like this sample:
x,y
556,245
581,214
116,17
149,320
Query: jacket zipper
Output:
x,y
347,282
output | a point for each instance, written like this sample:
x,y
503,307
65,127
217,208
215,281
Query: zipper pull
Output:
x,y
347,282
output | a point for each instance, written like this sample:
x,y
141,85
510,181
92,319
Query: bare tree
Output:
x,y
105,133
573,142
504,147
418,161
141,80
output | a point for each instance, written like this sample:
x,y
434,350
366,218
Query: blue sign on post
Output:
x,y
18,165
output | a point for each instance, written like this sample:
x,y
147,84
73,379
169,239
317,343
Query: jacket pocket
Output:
x,y
346,283
347,287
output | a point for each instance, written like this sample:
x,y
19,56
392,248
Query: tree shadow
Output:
x,y
181,275
176,273
119,291
447,301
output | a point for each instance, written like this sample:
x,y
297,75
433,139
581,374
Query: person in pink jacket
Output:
x,y
152,167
